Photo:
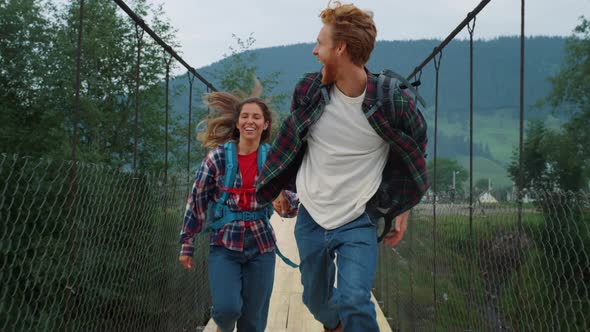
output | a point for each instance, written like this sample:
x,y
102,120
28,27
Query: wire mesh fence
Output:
x,y
490,273
89,248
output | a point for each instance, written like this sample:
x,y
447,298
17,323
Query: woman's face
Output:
x,y
251,122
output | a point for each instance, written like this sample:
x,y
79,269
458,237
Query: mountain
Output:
x,y
496,66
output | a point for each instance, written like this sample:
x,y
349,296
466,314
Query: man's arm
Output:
x,y
276,176
411,122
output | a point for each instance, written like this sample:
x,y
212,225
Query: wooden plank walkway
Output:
x,y
287,312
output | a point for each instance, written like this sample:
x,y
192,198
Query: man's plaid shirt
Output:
x,y
405,179
206,189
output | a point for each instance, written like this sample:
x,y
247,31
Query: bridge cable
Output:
x,y
521,145
139,21
73,172
167,62
521,126
139,36
411,233
436,69
450,37
191,79
470,29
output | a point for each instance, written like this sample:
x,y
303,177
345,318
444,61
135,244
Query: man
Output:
x,y
345,152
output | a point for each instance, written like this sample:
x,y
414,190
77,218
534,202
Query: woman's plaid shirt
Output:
x,y
405,179
206,189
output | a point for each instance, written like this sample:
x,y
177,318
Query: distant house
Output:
x,y
487,198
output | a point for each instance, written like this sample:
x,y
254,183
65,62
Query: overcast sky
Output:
x,y
205,27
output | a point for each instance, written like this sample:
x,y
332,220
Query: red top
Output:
x,y
248,168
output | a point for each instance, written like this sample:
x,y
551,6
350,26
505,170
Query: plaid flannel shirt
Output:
x,y
206,189
405,179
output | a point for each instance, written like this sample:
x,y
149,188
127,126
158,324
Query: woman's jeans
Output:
x,y
241,284
355,246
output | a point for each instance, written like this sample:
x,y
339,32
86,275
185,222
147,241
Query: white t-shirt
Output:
x,y
342,167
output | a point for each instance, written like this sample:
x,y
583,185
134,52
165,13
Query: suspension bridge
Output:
x,y
90,247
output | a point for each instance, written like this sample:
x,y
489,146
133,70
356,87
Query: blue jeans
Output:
x,y
241,284
355,245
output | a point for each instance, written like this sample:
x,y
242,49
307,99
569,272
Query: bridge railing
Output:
x,y
493,275
479,265
94,246
104,260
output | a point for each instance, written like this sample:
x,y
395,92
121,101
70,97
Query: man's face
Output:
x,y
325,51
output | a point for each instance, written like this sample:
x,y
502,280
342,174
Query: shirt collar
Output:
x,y
371,92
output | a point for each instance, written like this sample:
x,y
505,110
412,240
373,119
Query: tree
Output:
x,y
571,87
108,73
571,93
556,166
239,71
27,125
93,257
560,160
481,185
537,172
444,175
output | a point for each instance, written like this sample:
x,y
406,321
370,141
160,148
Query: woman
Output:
x,y
242,252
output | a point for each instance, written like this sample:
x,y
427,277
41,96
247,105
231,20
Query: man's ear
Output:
x,y
341,49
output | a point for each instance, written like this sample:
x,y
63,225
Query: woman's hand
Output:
x,y
187,262
281,204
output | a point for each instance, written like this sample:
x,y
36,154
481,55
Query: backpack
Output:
x,y
219,213
387,82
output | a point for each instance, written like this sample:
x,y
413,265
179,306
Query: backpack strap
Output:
x,y
407,84
262,152
384,83
231,169
261,159
316,92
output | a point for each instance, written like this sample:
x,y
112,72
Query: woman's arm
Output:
x,y
197,203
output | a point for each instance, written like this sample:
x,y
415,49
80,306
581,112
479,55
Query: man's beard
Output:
x,y
328,73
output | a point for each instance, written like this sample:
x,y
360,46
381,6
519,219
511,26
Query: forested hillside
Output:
x,y
496,89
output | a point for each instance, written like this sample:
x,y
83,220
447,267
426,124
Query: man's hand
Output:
x,y
281,204
187,262
396,234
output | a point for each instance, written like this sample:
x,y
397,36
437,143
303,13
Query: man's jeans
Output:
x,y
355,246
241,284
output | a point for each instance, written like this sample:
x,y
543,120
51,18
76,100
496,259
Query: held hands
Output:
x,y
186,262
281,204
396,234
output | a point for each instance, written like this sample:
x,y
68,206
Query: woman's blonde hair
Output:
x,y
221,126
353,27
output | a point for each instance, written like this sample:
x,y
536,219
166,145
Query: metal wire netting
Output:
x,y
90,248
490,274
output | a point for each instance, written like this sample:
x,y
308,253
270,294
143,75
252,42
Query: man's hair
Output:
x,y
353,27
221,127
